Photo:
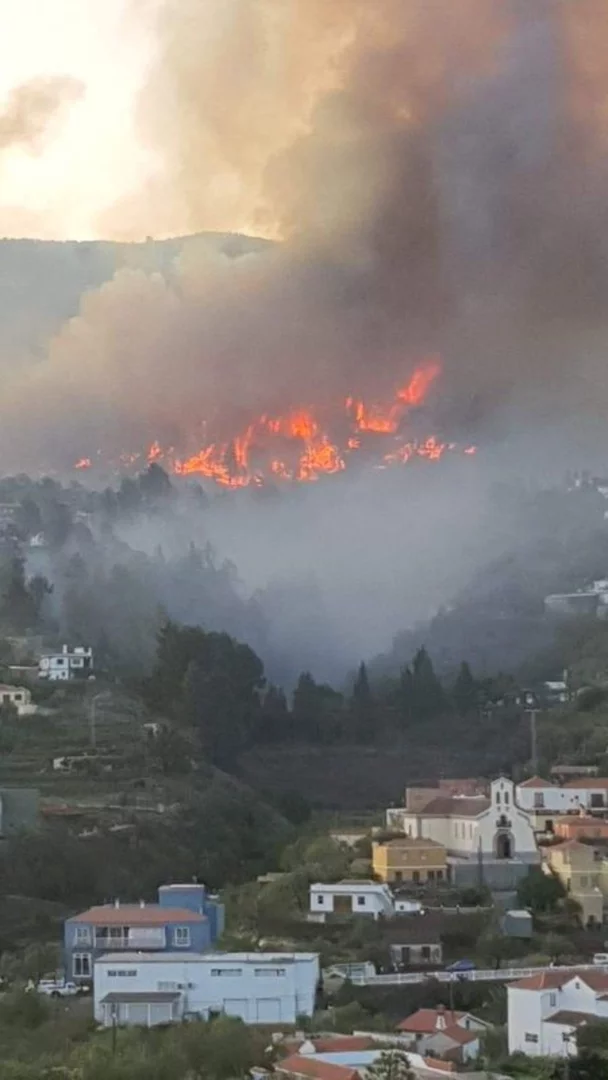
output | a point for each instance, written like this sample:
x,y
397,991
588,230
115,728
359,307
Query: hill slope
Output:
x,y
42,282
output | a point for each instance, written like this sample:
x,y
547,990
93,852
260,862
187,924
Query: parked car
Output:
x,y
601,959
461,968
57,988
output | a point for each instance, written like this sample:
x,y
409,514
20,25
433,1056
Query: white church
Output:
x,y
492,836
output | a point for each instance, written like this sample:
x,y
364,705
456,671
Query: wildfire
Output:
x,y
307,443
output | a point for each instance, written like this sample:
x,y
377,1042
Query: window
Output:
x,y
181,936
81,965
276,972
82,935
440,875
416,876
117,973
361,901
529,1037
18,697
597,799
431,875
498,797
168,986
584,881
506,798
539,800
231,972
553,1000
425,952
398,875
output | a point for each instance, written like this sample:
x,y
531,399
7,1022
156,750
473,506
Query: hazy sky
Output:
x,y
90,155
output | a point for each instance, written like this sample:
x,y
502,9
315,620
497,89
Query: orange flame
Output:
x,y
297,445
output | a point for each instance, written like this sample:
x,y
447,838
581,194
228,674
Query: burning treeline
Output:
x,y
433,177
301,446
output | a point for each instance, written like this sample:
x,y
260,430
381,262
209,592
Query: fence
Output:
x,y
493,975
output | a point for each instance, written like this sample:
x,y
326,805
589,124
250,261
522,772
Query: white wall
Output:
x,y
528,1011
524,1019
267,989
372,900
556,800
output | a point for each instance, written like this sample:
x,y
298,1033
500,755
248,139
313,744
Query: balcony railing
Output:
x,y
152,938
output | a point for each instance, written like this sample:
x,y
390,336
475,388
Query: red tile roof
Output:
x,y
571,1019
310,1066
555,979
135,915
424,1021
536,782
445,806
598,782
459,1035
547,980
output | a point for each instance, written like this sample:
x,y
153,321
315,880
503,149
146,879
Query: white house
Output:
x,y
76,663
370,898
157,988
545,1011
18,696
538,795
470,826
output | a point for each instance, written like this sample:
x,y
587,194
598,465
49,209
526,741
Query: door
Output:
x,y
268,1010
342,905
237,1007
161,1013
136,1014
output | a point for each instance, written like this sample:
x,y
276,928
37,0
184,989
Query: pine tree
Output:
x,y
362,705
428,695
405,694
464,692
391,1064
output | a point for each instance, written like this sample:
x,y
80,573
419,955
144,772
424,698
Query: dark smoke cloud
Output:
x,y
436,173
31,108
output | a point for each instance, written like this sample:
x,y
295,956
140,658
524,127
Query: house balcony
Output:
x,y
137,939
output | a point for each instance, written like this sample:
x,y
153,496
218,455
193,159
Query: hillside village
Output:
x,y
415,866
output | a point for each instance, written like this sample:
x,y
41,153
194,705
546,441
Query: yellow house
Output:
x,y
409,858
579,867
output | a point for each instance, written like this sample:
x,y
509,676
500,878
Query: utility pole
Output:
x,y
533,713
92,721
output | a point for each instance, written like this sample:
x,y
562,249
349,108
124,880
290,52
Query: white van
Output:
x,y
601,959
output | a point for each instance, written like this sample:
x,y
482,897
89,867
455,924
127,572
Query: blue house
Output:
x,y
185,918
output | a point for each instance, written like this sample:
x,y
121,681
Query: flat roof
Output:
x,y
185,957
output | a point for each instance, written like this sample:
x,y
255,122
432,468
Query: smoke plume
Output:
x,y
32,107
434,177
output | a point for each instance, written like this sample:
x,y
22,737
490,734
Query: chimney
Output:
x,y
440,1021
142,903
64,649
117,903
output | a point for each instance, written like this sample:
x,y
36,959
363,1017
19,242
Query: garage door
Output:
x,y
268,1010
237,1007
160,1013
136,1014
